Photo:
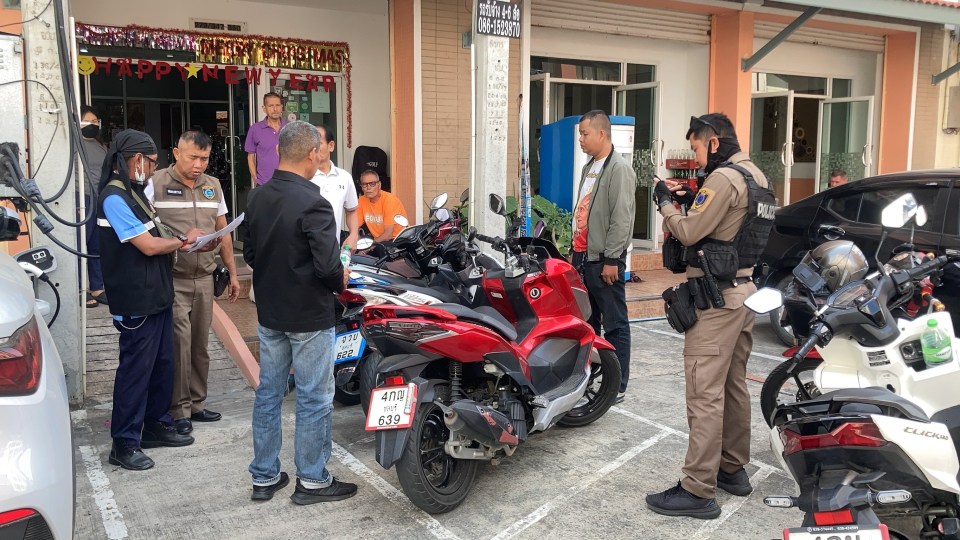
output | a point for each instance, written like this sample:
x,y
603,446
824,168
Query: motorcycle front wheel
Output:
x,y
781,387
433,480
601,392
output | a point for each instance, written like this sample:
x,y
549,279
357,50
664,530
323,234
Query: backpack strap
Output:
x,y
165,232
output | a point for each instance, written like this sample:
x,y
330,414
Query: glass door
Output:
x,y
846,139
771,140
243,113
641,101
539,115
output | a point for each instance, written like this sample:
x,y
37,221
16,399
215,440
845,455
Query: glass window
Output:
x,y
775,82
640,73
952,225
846,206
106,85
842,88
169,87
874,202
586,70
11,4
211,89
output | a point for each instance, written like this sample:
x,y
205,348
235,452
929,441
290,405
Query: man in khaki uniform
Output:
x,y
186,198
716,348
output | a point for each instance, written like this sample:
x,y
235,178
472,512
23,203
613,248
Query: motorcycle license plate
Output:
x,y
348,346
392,407
836,531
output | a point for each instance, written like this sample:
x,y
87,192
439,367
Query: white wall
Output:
x,y
682,70
363,24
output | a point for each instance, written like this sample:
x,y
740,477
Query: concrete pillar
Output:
x,y
490,131
405,114
897,102
729,92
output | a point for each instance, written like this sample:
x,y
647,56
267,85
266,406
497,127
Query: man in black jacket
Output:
x,y
291,244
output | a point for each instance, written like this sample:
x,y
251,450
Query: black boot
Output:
x,y
677,501
736,483
132,459
159,434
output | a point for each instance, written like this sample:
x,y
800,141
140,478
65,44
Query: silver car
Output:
x,y
36,452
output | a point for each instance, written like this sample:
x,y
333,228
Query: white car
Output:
x,y
37,486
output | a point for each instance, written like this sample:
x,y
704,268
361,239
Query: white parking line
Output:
x,y
730,508
678,336
523,523
113,523
685,435
392,494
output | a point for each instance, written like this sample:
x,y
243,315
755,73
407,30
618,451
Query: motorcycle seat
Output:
x,y
484,315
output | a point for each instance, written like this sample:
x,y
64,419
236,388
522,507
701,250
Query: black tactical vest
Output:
x,y
745,249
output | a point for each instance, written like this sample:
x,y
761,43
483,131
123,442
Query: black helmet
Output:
x,y
838,262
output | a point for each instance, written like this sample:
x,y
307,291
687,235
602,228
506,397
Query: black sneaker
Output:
x,y
159,434
265,493
183,426
337,491
736,483
132,459
677,501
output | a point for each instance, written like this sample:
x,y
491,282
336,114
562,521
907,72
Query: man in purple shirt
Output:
x,y
262,140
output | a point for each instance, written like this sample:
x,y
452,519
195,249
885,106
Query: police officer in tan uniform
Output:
x,y
727,215
186,198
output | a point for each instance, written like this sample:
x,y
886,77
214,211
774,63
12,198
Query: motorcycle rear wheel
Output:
x,y
349,393
368,378
601,392
779,381
432,479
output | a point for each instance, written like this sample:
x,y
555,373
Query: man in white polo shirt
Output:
x,y
336,185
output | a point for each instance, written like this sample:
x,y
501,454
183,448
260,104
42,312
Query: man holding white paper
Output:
x,y
186,198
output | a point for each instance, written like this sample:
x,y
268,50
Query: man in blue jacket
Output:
x,y
291,244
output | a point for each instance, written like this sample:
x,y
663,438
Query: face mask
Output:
x,y
91,131
140,177
725,150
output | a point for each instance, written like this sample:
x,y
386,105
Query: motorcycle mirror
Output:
x,y
438,201
921,218
400,220
364,243
442,214
894,496
497,205
465,196
765,300
899,212
539,228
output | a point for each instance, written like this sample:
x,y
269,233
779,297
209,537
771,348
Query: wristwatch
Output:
x,y
183,239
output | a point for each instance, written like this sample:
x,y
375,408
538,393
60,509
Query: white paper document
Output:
x,y
207,238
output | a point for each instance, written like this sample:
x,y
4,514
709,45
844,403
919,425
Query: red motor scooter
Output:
x,y
459,385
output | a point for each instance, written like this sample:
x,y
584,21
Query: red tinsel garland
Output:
x,y
242,49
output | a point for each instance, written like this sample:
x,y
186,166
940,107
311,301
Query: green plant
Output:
x,y
558,222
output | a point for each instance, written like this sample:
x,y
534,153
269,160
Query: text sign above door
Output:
x,y
498,18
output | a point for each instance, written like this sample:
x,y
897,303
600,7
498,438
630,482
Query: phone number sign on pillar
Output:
x,y
499,18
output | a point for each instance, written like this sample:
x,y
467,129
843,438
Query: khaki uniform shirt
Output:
x,y
718,210
182,208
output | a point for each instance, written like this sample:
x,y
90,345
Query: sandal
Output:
x,y
101,298
91,301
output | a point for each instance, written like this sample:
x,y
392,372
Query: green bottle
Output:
x,y
936,345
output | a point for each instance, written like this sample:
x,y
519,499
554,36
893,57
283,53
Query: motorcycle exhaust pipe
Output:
x,y
482,424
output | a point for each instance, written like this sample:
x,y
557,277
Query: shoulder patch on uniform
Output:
x,y
703,198
208,192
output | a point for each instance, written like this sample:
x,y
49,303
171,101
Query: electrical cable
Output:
x,y
56,295
31,19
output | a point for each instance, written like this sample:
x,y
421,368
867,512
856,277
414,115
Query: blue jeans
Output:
x,y
311,355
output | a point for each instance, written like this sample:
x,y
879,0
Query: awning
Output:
x,y
929,11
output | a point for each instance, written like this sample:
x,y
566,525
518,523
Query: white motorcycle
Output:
x,y
873,449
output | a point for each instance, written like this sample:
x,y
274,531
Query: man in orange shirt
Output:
x,y
377,208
